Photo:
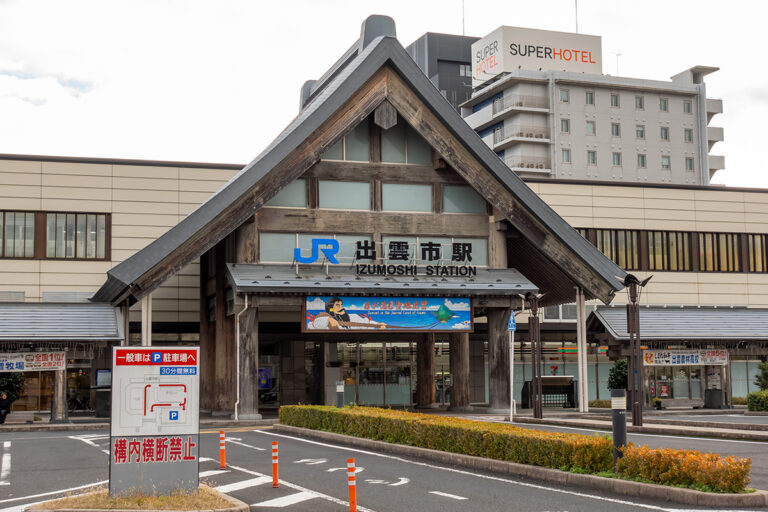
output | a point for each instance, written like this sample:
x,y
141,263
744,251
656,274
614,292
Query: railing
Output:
x,y
510,101
527,162
527,132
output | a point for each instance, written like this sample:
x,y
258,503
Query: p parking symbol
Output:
x,y
157,357
173,415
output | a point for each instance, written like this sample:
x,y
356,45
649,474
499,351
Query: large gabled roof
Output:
x,y
570,257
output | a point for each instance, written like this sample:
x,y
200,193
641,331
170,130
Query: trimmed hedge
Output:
x,y
757,401
569,452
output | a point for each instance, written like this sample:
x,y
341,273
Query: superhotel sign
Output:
x,y
510,48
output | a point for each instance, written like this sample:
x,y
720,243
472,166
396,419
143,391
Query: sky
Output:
x,y
216,81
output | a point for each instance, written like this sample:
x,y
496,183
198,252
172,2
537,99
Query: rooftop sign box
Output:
x,y
510,48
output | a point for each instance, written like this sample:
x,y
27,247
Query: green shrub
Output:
x,y
757,401
739,400
604,404
568,452
761,379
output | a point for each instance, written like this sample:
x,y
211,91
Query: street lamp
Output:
x,y
635,378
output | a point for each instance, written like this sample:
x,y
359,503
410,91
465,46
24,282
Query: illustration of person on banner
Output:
x,y
336,317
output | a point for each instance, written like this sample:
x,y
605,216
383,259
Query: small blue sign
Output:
x,y
178,370
173,415
512,324
157,357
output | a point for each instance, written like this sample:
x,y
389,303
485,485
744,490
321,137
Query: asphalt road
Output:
x,y
313,476
718,418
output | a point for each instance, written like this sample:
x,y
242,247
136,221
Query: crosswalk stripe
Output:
x,y
285,501
205,459
445,494
253,482
213,472
245,445
5,464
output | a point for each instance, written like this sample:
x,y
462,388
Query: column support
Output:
x,y
459,346
581,350
247,402
146,320
425,372
59,402
498,360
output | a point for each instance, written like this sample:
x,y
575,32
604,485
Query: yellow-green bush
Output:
x,y
500,441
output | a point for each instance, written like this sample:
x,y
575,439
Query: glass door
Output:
x,y
371,374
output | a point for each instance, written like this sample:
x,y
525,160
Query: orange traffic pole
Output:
x,y
222,451
275,471
351,484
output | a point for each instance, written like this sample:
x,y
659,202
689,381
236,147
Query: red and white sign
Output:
x,y
157,357
32,361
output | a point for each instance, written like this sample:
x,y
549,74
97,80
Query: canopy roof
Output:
x,y
30,321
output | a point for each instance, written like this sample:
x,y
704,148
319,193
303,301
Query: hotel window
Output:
x,y
664,133
689,163
668,250
465,70
590,98
293,195
640,131
615,130
641,161
430,250
758,253
687,107
402,145
639,103
664,104
621,246
617,159
614,100
18,234
719,252
566,156
76,236
565,126
354,146
591,128
401,197
565,96
345,195
688,135
665,162
592,157
462,199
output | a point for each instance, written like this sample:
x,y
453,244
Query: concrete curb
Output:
x,y
237,506
614,485
57,427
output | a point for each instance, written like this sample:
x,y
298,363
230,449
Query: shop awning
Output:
x,y
28,321
263,279
690,324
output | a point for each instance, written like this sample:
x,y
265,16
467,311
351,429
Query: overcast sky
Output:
x,y
216,81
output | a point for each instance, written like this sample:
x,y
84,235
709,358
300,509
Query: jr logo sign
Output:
x,y
328,246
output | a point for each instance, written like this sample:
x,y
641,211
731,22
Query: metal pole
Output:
x,y
512,375
619,410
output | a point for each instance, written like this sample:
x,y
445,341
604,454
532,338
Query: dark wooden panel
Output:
x,y
386,172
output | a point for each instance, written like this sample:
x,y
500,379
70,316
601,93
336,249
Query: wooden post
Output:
x,y
225,356
425,371
59,402
207,341
498,360
249,365
459,343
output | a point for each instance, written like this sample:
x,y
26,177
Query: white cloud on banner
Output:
x,y
316,304
457,306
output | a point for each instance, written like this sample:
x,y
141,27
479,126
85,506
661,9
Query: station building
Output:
x,y
377,192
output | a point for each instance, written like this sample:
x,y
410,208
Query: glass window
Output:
x,y
417,150
76,235
639,103
348,248
614,100
591,128
565,125
687,107
345,195
465,70
462,199
689,163
336,152
664,104
640,131
401,144
276,247
590,98
406,197
719,252
479,252
669,250
294,195
566,156
688,135
565,97
665,162
620,246
18,234
641,160
664,133
592,157
355,146
758,253
617,159
615,130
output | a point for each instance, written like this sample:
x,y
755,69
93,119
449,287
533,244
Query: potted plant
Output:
x,y
657,403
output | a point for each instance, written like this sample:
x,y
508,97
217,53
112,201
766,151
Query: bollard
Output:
x,y
619,407
222,451
351,484
275,470
339,394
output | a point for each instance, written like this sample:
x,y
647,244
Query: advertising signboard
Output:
x,y
32,361
154,431
435,314
717,357
508,49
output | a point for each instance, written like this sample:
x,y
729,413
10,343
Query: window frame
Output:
x,y
565,122
664,130
663,104
618,100
563,152
686,133
687,107
565,98
3,214
690,160
669,162
732,257
593,153
617,162
645,161
640,128
589,95
615,129
616,238
757,251
639,102
593,124
682,254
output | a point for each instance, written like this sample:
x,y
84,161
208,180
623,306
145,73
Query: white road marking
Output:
x,y
88,441
245,445
446,495
285,501
469,473
213,472
253,482
5,464
357,469
60,491
401,481
205,459
311,462
303,489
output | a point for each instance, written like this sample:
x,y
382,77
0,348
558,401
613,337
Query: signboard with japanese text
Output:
x,y
32,361
155,420
434,314
718,357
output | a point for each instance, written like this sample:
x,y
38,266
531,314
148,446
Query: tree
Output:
x,y
617,375
761,379
13,384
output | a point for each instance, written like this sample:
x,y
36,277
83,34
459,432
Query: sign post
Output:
x,y
154,427
512,327
619,411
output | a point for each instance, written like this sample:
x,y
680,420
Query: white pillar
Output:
x,y
581,350
146,321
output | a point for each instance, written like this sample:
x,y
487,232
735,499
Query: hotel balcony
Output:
x,y
529,164
714,107
714,135
506,107
512,135
716,163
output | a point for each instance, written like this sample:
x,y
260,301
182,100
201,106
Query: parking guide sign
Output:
x,y
155,425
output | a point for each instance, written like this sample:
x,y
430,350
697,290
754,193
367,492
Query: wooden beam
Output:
x,y
385,115
401,173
